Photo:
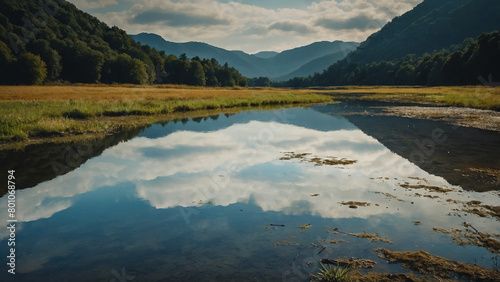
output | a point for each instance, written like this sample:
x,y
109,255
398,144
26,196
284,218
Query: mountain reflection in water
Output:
x,y
219,181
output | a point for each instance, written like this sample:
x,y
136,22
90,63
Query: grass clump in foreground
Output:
x,y
78,110
422,266
350,273
332,274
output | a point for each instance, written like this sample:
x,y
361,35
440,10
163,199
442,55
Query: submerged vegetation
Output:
x,y
355,205
354,263
437,267
471,236
424,267
317,161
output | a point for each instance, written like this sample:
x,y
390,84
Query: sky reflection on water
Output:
x,y
206,190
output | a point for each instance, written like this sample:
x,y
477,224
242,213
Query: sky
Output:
x,y
250,25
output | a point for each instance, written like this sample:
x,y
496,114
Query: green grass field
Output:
x,y
25,113
47,113
463,96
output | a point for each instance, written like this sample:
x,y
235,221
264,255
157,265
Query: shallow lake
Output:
x,y
259,195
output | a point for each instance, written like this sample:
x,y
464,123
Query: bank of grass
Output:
x,y
482,97
29,112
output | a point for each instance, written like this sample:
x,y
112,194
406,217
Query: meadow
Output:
x,y
47,113
29,113
482,97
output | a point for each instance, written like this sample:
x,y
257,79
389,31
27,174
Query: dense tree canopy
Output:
x,y
431,25
473,62
260,81
51,40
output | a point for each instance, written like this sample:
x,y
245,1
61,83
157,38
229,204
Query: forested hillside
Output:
x,y
431,25
53,41
439,42
473,62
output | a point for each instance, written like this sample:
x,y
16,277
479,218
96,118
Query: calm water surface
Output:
x,y
221,199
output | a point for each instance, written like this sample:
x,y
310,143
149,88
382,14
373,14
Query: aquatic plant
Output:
x,y
332,274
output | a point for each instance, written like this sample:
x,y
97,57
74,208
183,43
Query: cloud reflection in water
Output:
x,y
235,164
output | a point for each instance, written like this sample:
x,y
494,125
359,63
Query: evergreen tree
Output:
x,y
196,74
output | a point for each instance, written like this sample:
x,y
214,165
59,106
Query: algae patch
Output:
x,y
386,277
390,196
305,226
355,205
426,187
475,207
373,237
286,243
471,236
317,161
436,266
333,241
354,263
291,155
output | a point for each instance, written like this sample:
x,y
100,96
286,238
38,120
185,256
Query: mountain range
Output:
x,y
73,46
438,42
301,61
430,26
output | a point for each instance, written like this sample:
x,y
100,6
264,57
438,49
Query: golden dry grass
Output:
x,y
31,112
134,92
34,112
467,96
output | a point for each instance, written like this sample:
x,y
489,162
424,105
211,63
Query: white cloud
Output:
x,y
178,14
89,4
251,28
293,27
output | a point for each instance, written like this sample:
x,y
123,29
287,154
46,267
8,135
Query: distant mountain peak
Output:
x,y
265,63
266,54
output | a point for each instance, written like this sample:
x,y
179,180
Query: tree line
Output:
x,y
52,41
202,72
472,62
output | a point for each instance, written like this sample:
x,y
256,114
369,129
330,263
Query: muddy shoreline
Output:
x,y
454,115
465,155
467,117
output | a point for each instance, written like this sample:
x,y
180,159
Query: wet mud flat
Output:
x,y
467,117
